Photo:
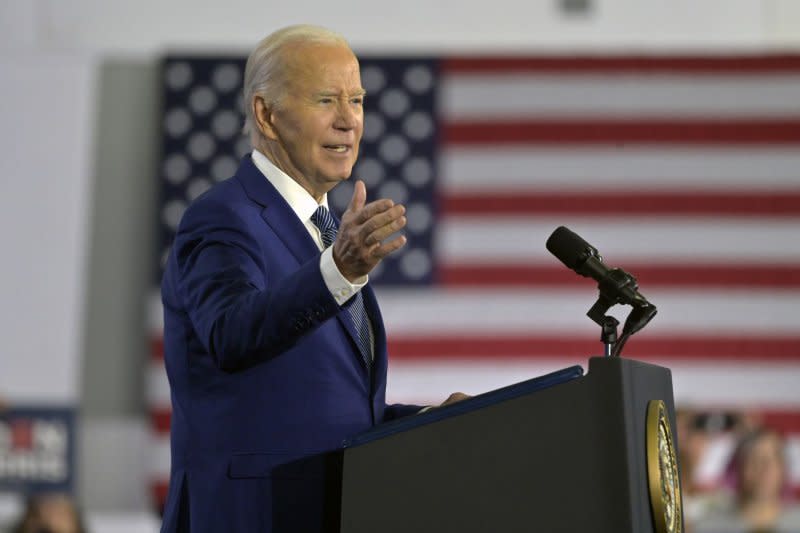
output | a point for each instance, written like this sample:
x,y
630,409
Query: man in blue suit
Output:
x,y
274,344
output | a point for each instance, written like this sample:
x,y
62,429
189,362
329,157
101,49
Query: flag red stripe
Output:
x,y
460,346
624,64
465,346
159,489
782,421
157,347
160,418
603,203
619,132
649,275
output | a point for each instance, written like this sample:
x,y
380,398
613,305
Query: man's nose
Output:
x,y
347,116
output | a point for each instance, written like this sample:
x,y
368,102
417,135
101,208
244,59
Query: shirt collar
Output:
x,y
302,203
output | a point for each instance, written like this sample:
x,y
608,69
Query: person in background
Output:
x,y
699,432
50,513
758,504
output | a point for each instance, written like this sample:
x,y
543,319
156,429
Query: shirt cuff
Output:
x,y
340,287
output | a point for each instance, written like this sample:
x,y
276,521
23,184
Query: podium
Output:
x,y
565,452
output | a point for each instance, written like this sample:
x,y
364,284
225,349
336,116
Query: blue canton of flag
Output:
x,y
202,143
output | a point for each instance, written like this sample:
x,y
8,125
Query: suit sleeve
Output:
x,y
242,314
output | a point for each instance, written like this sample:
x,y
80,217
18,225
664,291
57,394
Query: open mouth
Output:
x,y
338,148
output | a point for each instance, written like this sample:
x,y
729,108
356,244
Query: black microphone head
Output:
x,y
569,248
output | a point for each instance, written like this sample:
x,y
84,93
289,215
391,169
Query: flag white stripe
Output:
x,y
158,392
746,385
514,96
159,451
155,312
410,313
562,168
521,240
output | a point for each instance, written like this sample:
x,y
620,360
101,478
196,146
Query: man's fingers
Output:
x,y
371,209
382,219
383,249
384,231
359,197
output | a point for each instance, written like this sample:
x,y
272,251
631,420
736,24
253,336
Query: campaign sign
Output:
x,y
37,449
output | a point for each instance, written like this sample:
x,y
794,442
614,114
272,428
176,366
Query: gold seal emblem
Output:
x,y
662,471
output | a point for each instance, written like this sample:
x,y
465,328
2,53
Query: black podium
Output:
x,y
565,452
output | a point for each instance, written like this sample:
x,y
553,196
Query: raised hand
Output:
x,y
359,243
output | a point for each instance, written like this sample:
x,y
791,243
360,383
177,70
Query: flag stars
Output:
x,y
225,124
394,102
371,171
372,79
418,125
223,167
394,190
374,126
178,76
177,122
418,171
394,149
418,79
201,146
416,263
202,100
172,213
226,77
176,168
197,187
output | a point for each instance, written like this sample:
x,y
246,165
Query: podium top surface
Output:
x,y
476,402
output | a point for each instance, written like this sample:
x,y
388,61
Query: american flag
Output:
x,y
684,171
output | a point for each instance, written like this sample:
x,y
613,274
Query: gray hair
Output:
x,y
265,73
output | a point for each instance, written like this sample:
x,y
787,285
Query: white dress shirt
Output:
x,y
304,205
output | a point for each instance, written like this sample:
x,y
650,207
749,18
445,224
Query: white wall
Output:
x,y
147,26
45,133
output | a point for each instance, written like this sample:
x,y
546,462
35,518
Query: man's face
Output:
x,y
318,124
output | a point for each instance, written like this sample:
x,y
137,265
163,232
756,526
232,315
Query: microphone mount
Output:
x,y
615,288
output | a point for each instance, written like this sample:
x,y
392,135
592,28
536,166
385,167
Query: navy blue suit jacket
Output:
x,y
262,363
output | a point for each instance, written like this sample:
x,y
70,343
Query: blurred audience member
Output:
x,y
696,431
758,504
50,513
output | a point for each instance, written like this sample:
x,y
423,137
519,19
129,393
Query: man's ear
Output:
x,y
263,115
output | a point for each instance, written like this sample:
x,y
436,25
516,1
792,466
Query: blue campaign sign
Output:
x,y
37,449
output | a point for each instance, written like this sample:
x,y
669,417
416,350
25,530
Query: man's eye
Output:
x,y
358,101
325,100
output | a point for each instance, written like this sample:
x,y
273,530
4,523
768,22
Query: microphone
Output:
x,y
616,285
583,258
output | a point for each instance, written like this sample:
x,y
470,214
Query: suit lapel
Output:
x,y
284,222
276,212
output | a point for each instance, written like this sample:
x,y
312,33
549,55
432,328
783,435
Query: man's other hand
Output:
x,y
359,243
455,397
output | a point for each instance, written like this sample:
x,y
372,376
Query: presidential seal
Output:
x,y
662,471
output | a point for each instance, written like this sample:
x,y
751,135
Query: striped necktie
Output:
x,y
328,228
